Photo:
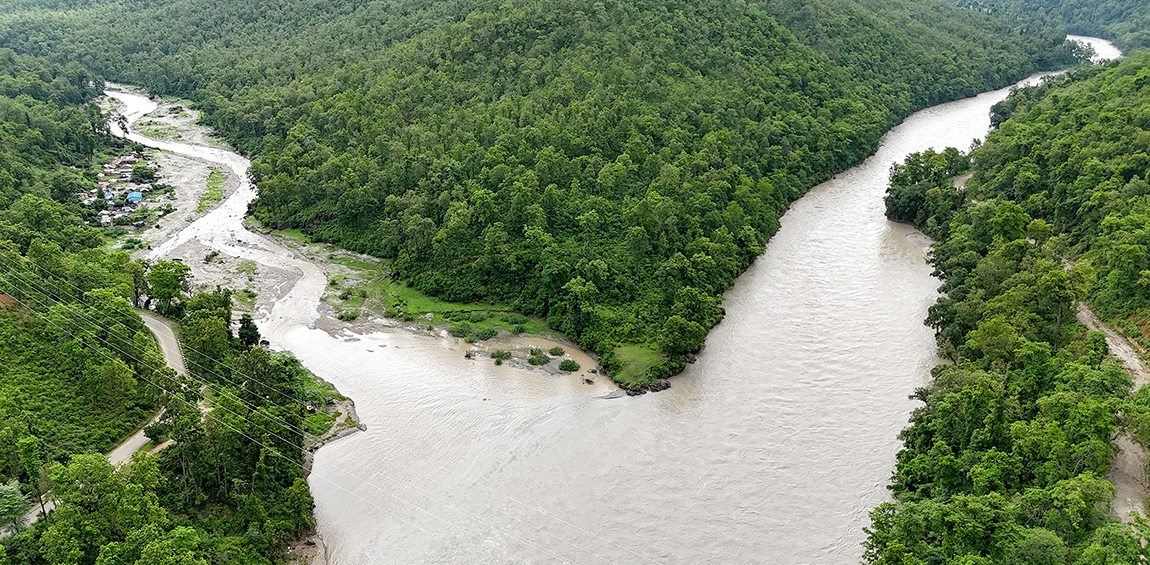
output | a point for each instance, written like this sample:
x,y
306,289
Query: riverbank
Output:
x,y
361,299
201,187
802,388
279,285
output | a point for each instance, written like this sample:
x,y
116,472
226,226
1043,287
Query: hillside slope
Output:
x,y
608,166
1007,461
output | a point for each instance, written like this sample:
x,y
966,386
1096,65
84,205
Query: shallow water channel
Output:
x,y
770,449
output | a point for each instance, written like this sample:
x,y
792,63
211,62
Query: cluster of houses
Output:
x,y
117,194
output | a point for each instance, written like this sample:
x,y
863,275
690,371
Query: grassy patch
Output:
x,y
245,298
295,234
370,290
636,359
156,129
357,264
214,192
319,423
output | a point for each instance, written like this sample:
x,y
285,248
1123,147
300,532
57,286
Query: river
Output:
x,y
770,449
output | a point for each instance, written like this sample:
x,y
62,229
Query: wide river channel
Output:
x,y
770,449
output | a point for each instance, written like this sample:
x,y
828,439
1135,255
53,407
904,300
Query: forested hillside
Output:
x,y
79,371
1007,459
610,167
1125,22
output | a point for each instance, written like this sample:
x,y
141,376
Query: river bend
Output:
x,y
770,449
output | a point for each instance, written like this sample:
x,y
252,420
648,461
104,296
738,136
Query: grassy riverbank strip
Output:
x,y
361,287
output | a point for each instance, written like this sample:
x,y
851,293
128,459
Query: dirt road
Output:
x,y
1128,471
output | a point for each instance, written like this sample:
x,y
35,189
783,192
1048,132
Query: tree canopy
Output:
x,y
1006,460
585,162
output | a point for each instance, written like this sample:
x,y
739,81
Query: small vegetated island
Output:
x,y
609,167
1007,461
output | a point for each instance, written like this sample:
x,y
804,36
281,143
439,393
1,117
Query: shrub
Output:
x,y
500,354
348,315
538,357
479,334
477,317
514,319
208,258
519,329
556,351
346,294
568,365
462,329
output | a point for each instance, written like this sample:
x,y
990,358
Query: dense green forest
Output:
x,y
1125,22
1006,461
610,167
79,371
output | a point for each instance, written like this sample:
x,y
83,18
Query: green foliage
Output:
x,y
13,503
1005,459
1126,22
538,357
582,162
248,333
568,365
213,191
556,351
143,173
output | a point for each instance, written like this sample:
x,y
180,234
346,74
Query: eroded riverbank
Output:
x,y
772,448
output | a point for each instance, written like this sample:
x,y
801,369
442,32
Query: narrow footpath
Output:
x,y
122,453
1128,472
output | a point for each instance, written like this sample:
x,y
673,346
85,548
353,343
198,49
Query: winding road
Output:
x,y
122,453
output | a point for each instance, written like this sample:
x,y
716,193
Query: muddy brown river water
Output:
x,y
770,449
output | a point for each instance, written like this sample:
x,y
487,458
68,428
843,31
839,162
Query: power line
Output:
x,y
276,451
219,390
182,345
446,471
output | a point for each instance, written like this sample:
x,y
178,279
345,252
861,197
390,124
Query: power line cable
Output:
x,y
441,468
216,388
276,451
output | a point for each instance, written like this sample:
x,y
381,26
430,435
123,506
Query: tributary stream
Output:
x,y
772,448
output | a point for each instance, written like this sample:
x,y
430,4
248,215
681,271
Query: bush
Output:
x,y
519,329
514,319
348,315
568,365
208,258
500,354
477,317
462,329
538,357
346,294
556,351
480,334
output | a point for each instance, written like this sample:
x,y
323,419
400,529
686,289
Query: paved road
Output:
x,y
122,453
